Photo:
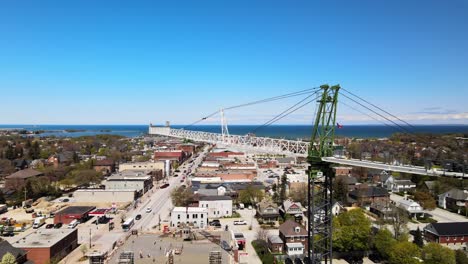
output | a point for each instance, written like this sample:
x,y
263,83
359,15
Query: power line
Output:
x,y
362,99
287,112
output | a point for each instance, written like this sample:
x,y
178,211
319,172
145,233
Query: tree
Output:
x,y
434,253
300,194
181,196
425,199
351,231
404,253
340,190
399,221
261,234
250,195
283,186
35,151
84,249
383,242
418,239
460,257
8,258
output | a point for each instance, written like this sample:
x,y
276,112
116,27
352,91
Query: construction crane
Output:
x,y
320,173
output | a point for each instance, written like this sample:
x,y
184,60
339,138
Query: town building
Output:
x,y
142,166
105,196
176,157
18,253
45,245
275,244
292,208
70,213
267,211
411,207
130,180
218,206
17,180
394,185
342,171
105,166
367,195
192,216
451,233
455,199
292,232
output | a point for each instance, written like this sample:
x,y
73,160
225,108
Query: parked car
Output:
x,y
164,185
148,210
58,225
240,222
138,216
49,226
214,221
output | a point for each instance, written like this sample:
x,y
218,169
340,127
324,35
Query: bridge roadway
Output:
x,y
287,147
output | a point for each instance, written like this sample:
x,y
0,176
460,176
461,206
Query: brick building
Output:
x,y
367,195
71,213
106,166
451,233
292,232
45,245
17,180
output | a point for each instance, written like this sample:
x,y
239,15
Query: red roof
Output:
x,y
177,154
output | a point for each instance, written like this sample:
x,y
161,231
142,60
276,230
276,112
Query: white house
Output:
x,y
337,208
292,208
295,248
194,216
217,206
411,207
391,184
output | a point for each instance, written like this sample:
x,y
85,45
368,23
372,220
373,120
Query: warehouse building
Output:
x,y
45,245
71,213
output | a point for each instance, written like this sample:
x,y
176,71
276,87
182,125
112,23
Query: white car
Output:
x,y
148,210
240,222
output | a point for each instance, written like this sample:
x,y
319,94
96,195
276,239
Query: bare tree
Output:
x,y
261,234
399,221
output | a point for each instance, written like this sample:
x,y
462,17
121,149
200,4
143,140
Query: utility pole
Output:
x,y
319,235
90,245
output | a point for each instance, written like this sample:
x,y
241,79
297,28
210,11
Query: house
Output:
x,y
391,184
294,249
348,180
337,208
429,186
451,233
292,232
367,195
292,208
382,210
193,216
286,162
413,208
455,199
267,211
342,171
18,253
20,164
275,244
17,180
106,166
218,206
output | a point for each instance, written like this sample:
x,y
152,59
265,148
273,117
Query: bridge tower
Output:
x,y
320,174
224,127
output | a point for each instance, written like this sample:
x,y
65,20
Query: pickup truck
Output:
x,y
240,222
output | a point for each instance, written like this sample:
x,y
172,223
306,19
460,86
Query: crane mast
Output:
x,y
320,173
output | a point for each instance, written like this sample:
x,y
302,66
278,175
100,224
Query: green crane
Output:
x,y
319,202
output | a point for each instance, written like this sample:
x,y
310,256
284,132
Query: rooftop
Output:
x,y
76,210
288,228
295,244
24,174
448,229
189,210
275,239
215,198
43,238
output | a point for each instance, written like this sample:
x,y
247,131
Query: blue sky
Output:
x,y
135,62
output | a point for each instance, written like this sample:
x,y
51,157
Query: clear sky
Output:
x,y
135,62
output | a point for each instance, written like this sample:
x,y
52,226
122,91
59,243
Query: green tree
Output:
x,y
460,257
434,253
425,199
418,239
340,190
35,150
404,253
283,186
251,195
351,231
8,258
383,242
